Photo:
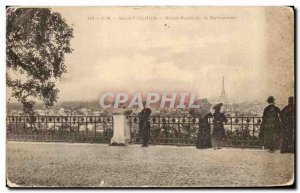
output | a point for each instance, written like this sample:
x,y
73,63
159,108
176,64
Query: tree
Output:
x,y
37,40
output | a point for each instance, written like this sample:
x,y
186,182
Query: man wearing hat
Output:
x,y
288,127
270,126
218,130
144,124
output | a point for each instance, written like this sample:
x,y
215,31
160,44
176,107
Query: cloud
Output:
x,y
186,44
194,55
140,68
128,74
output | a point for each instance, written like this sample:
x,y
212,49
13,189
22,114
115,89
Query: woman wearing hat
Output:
x,y
203,135
288,127
270,126
218,131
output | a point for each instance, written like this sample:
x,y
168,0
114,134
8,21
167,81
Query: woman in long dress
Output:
x,y
218,130
204,136
288,127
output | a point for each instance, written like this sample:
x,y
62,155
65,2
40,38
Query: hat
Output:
x,y
218,106
270,99
291,100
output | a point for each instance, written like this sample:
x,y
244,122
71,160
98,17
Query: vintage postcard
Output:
x,y
155,96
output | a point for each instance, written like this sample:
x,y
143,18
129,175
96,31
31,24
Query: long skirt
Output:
x,y
203,138
287,145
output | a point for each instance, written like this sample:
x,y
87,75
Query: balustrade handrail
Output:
x,y
231,120
191,116
59,116
168,116
76,128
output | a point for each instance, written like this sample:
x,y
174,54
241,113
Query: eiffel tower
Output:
x,y
223,96
228,106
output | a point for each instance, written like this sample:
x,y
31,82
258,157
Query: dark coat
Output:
x,y
270,126
219,131
203,136
288,118
270,121
288,128
144,123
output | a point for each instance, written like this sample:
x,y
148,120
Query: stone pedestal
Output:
x,y
121,130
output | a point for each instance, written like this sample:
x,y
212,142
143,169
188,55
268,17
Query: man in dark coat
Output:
x,y
203,136
288,127
218,131
144,124
141,124
270,126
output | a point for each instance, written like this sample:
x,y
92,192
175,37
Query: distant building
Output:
x,y
85,111
96,112
223,97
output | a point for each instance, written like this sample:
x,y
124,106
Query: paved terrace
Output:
x,y
98,165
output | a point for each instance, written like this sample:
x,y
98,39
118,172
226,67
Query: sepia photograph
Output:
x,y
150,97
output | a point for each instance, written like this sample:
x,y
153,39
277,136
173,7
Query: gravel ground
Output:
x,y
96,165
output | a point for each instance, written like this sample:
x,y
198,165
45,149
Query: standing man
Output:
x,y
218,131
144,124
270,126
288,127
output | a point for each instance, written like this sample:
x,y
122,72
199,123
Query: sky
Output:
x,y
253,50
